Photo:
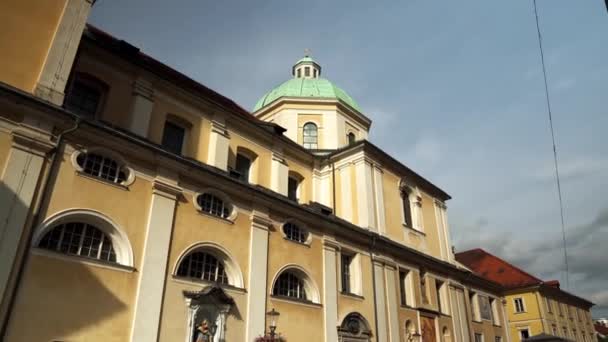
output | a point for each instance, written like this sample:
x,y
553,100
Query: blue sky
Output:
x,y
455,91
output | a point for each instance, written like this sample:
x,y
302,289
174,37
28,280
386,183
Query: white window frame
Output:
x,y
519,332
231,267
227,200
523,305
106,153
355,285
120,240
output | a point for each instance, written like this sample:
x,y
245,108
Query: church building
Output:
x,y
136,204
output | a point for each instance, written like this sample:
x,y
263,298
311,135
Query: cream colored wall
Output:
x,y
260,173
281,253
24,45
192,227
582,323
365,305
105,295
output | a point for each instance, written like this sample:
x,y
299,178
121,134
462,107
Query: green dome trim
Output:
x,y
307,88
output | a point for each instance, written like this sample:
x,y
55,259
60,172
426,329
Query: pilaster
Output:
x,y
19,183
366,212
379,289
330,292
258,274
60,58
392,301
219,143
346,197
279,173
148,305
143,103
379,199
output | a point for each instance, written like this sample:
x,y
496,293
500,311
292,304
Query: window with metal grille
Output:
x,y
80,239
293,232
289,285
84,98
310,138
201,265
213,205
103,167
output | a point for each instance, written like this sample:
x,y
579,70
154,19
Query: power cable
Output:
x,y
559,188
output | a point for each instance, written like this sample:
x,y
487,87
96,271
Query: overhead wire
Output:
x,y
557,179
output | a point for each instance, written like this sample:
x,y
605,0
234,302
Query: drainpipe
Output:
x,y
43,194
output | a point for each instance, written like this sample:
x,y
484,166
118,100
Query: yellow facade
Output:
x,y
549,314
168,215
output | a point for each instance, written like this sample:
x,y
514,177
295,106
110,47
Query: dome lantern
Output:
x,y
306,67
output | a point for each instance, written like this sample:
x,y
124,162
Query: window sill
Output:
x,y
101,180
221,219
199,282
413,230
82,260
296,301
303,244
352,295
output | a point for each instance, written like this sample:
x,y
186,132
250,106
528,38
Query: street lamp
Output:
x,y
273,317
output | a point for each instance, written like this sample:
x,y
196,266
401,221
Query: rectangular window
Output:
x,y
524,334
173,137
346,261
478,337
243,165
403,278
519,305
485,309
439,290
407,209
292,189
548,304
307,71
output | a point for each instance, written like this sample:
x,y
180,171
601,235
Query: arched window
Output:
x,y
212,204
310,138
78,238
295,233
294,182
202,265
102,166
351,138
289,285
85,95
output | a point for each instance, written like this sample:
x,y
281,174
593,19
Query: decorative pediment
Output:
x,y
210,295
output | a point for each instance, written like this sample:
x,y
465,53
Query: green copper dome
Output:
x,y
307,83
309,88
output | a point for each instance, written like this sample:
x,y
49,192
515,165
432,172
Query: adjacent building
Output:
x,y
534,307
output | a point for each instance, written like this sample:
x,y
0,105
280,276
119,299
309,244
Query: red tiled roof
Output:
x,y
496,269
601,329
552,283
